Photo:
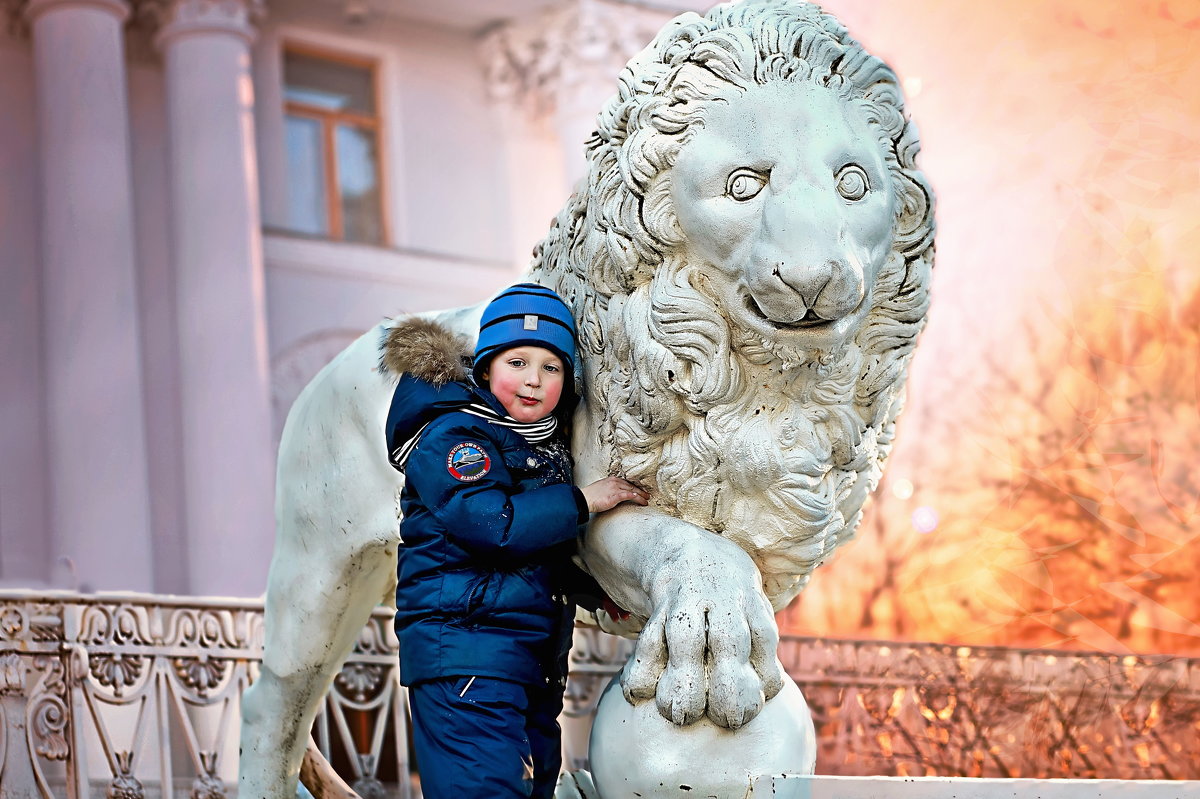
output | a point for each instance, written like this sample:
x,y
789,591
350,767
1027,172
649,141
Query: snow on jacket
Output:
x,y
485,578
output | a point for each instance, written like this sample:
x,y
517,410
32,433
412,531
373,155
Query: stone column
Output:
x,y
99,495
217,246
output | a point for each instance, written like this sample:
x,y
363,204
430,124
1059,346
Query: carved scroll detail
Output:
x,y
47,712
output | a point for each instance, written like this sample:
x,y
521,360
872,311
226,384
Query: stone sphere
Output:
x,y
634,751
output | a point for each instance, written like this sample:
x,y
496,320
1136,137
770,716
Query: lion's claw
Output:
x,y
681,693
709,648
640,678
735,694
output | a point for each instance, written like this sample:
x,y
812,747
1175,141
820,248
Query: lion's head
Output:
x,y
749,259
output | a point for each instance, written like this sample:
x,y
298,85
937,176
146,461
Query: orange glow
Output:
x,y
1050,445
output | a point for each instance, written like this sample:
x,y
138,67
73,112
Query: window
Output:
x,y
332,133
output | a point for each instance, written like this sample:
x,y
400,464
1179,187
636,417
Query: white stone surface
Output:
x,y
93,367
748,290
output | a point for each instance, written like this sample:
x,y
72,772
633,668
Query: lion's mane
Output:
x,y
683,411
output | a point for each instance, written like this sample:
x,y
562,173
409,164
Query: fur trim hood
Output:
x,y
431,367
429,364
426,350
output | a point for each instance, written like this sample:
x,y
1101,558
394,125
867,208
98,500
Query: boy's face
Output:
x,y
528,381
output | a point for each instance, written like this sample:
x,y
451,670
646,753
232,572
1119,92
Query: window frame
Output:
x,y
329,121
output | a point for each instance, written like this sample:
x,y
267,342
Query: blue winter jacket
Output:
x,y
489,526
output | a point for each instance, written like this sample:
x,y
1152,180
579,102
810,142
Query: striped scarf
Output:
x,y
532,432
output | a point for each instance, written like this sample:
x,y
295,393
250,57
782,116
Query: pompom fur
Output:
x,y
425,350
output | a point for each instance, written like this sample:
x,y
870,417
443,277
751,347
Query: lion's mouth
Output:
x,y
809,320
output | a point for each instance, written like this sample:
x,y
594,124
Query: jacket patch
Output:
x,y
468,462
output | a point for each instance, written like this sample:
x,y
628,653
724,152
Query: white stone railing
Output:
x,y
926,710
135,696
138,697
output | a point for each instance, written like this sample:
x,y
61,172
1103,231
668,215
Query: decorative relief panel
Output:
x,y
534,61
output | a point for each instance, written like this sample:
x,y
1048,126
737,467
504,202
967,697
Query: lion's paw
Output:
x,y
706,653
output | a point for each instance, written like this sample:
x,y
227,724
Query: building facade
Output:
x,y
204,200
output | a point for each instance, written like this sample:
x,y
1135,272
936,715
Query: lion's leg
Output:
x,y
335,557
312,622
709,644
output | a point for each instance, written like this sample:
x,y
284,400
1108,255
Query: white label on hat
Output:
x,y
531,321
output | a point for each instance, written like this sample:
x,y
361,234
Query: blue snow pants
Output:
x,y
484,738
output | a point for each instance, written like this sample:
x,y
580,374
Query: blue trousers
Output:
x,y
483,738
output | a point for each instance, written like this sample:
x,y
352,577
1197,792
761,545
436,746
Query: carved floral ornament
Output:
x,y
116,625
116,671
36,621
201,674
12,674
534,61
378,638
12,622
204,628
208,785
124,784
360,681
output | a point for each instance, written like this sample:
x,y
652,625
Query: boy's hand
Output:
x,y
606,494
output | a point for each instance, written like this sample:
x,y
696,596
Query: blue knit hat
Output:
x,y
525,315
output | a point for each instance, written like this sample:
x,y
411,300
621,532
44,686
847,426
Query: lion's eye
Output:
x,y
745,185
852,183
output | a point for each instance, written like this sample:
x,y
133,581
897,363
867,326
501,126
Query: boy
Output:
x,y
483,611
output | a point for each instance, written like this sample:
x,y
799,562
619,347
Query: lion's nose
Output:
x,y
806,281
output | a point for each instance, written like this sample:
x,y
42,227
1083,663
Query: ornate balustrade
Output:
x,y
136,696
936,710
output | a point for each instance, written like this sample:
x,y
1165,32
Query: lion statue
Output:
x,y
748,260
